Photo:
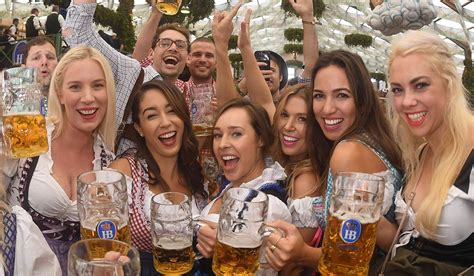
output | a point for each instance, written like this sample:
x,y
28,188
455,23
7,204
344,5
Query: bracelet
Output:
x,y
240,92
313,22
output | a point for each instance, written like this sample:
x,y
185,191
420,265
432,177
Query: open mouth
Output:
x,y
416,117
333,122
230,161
167,136
170,60
289,140
87,112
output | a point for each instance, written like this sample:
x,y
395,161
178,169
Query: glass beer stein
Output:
x,y
88,257
202,114
354,211
24,127
168,7
240,232
103,206
172,233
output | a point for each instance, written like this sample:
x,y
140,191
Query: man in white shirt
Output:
x,y
33,25
54,21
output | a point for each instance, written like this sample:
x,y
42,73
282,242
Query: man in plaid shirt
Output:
x,y
170,50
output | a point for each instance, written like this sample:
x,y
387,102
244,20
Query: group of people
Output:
x,y
107,110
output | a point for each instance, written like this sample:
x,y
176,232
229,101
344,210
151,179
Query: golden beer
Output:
x,y
340,257
237,259
168,7
90,231
25,134
202,129
173,255
97,248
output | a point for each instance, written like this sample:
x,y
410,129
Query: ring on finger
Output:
x,y
276,244
273,247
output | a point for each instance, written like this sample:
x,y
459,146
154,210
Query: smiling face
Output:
x,y
159,124
44,58
419,94
292,128
333,102
83,95
237,147
201,61
170,62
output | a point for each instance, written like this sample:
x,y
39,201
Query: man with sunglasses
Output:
x,y
170,50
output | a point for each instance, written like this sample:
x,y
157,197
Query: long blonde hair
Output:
x,y
106,130
450,156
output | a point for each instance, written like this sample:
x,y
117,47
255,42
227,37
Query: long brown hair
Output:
x,y
189,166
370,118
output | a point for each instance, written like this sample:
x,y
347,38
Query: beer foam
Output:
x,y
29,113
362,218
241,241
173,243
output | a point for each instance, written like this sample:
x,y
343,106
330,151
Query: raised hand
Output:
x,y
303,7
244,36
222,25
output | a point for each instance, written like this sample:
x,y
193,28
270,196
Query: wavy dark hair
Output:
x,y
189,166
259,120
370,118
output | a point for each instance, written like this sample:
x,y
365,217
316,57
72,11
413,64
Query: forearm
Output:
x,y
309,256
310,46
225,89
257,87
385,234
145,38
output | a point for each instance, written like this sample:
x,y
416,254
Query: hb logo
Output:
x,y
351,229
106,230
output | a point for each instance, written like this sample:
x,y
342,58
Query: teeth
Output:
x,y
168,135
332,122
87,112
289,138
228,157
416,116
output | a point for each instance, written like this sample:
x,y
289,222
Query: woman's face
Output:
x,y
419,94
236,146
83,95
159,124
292,128
333,102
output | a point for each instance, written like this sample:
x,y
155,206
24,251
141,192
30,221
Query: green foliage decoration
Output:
x,y
235,58
318,8
356,39
294,63
378,76
233,42
293,48
199,9
294,34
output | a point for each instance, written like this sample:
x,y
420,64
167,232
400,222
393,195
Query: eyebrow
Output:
x,y
413,81
334,90
153,108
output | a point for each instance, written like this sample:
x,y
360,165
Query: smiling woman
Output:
x,y
80,130
165,159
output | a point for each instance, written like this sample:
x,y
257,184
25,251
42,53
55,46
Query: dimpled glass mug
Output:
x,y
354,211
24,127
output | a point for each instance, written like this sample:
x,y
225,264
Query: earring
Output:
x,y
141,134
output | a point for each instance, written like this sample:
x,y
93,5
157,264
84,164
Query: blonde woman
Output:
x,y
81,129
434,126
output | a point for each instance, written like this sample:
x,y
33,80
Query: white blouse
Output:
x,y
33,255
46,195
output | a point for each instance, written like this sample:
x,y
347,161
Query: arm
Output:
x,y
145,38
122,166
78,29
310,41
222,28
61,21
257,87
37,23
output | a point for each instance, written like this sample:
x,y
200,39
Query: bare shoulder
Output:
x,y
352,156
305,184
121,165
